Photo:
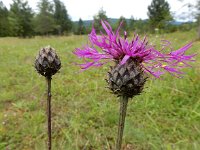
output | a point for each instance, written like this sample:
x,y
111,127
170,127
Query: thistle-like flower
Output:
x,y
47,63
134,61
119,49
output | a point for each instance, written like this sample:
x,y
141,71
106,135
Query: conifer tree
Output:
x,y
20,19
132,24
159,14
44,21
97,19
80,28
4,23
63,22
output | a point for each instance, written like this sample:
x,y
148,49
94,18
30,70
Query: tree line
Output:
x,y
52,18
20,20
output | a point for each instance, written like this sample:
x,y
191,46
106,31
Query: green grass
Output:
x,y
85,114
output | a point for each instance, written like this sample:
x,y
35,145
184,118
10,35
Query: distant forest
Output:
x,y
52,18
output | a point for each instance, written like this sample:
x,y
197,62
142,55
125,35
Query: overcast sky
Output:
x,y
86,9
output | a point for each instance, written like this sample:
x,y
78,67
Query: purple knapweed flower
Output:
x,y
119,49
133,59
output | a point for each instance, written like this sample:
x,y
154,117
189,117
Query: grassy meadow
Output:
x,y
84,113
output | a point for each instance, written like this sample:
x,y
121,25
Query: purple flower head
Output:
x,y
114,47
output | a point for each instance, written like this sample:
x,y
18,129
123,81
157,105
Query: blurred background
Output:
x,y
42,17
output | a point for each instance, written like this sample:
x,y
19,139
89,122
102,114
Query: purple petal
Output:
x,y
109,32
126,57
182,50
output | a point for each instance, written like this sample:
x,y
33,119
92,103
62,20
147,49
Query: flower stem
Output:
x,y
49,111
122,116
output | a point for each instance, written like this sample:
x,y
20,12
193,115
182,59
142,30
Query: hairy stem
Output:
x,y
49,111
122,116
